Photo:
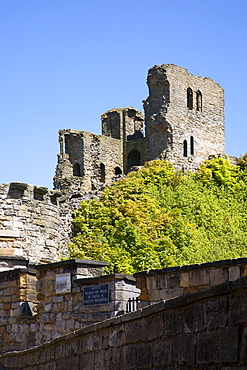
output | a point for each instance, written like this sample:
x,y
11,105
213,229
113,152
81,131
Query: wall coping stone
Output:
x,y
18,258
28,271
110,277
197,266
75,261
221,289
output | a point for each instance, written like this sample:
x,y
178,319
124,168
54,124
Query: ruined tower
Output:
x,y
87,160
184,116
184,123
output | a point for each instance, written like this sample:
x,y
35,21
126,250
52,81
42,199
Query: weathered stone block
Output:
x,y
113,337
217,312
7,251
184,279
151,282
244,270
238,309
92,342
154,295
195,320
144,296
129,356
198,277
144,355
218,276
162,352
234,273
9,233
184,350
173,322
135,331
212,347
154,326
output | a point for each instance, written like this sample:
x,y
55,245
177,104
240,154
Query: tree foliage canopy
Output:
x,y
157,217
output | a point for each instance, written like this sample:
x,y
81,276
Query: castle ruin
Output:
x,y
184,124
71,315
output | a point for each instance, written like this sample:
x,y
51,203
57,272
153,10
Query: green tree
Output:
x,y
158,217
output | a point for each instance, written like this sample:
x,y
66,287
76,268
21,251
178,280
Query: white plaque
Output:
x,y
63,283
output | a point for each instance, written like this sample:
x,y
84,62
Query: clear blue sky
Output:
x,y
65,62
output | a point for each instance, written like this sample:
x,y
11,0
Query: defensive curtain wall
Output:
x,y
205,329
29,223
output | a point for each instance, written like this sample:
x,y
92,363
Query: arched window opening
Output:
x,y
134,158
191,145
199,101
189,98
102,172
118,171
76,170
185,148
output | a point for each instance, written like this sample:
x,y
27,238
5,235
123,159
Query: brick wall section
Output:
x,y
17,301
29,222
170,282
201,330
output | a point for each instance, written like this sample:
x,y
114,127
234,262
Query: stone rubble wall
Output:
x,y
18,300
171,282
201,330
89,152
123,123
29,222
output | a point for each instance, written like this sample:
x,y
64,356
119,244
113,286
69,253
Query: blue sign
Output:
x,y
96,294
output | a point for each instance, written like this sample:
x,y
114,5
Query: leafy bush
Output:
x,y
158,217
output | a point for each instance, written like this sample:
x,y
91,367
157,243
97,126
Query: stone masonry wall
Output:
x,y
66,296
171,282
184,118
169,120
61,313
29,222
17,308
201,330
88,152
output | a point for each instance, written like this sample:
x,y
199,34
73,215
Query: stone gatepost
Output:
x,y
75,293
17,304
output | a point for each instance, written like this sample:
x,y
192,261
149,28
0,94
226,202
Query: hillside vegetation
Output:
x,y
157,217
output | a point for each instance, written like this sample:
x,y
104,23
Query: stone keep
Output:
x,y
184,123
184,117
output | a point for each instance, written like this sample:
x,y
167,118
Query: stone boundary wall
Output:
x,y
200,330
171,282
46,302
